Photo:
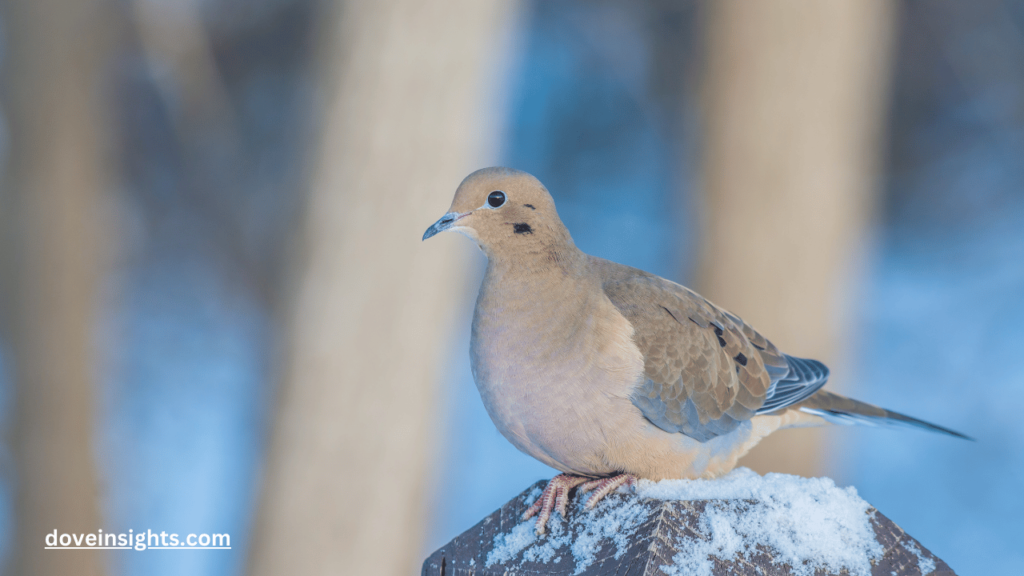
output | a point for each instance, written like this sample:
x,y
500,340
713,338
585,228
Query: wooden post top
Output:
x,y
633,536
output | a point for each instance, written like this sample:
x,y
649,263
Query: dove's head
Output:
x,y
507,212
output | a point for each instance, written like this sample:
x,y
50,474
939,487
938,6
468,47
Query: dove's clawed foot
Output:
x,y
556,495
605,486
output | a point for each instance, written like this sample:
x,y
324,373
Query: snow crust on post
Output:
x,y
616,521
807,523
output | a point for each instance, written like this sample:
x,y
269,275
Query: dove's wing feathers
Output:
x,y
805,377
706,371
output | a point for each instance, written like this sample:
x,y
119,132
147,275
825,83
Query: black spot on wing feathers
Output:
x,y
741,359
530,206
522,228
718,332
671,314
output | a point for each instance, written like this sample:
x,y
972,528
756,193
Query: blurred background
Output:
x,y
216,314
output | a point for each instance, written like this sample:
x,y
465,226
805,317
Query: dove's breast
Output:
x,y
555,376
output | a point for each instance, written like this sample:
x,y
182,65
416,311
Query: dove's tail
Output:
x,y
842,410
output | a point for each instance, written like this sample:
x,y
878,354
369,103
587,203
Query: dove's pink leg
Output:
x,y
605,486
554,497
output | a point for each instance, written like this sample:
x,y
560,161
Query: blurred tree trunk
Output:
x,y
345,481
795,102
54,183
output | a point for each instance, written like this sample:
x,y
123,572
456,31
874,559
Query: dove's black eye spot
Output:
x,y
522,228
530,206
496,199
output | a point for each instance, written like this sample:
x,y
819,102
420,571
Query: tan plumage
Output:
x,y
599,369
682,334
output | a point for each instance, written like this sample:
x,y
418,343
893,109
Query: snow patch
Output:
x,y
508,545
611,520
808,523
533,495
926,565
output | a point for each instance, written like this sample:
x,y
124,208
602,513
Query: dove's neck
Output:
x,y
528,278
527,301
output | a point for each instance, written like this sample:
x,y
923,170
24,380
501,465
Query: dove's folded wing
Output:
x,y
705,370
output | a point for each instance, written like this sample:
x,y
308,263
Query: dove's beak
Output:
x,y
446,222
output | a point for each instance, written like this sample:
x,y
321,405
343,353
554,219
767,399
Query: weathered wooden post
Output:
x,y
639,535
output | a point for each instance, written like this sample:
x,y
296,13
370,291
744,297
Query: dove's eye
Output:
x,y
496,199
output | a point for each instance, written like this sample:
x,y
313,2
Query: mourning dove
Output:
x,y
610,374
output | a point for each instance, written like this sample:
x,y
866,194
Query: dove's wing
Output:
x,y
706,371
